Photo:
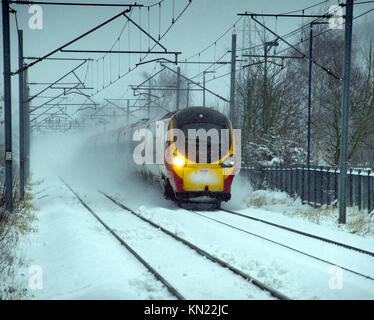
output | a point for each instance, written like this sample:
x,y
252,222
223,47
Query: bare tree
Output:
x,y
328,48
275,137
163,91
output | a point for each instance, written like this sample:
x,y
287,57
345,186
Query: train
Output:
x,y
189,152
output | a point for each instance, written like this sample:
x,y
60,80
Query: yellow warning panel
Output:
x,y
197,179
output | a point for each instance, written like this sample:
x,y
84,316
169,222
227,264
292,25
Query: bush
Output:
x,y
12,226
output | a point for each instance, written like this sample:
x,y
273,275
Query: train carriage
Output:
x,y
189,152
203,170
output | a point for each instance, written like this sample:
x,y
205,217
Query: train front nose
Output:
x,y
203,179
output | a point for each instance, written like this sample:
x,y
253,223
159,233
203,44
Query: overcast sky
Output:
x,y
203,22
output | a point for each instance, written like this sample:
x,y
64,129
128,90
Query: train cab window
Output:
x,y
219,132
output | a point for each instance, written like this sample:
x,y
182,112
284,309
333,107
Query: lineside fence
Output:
x,y
315,185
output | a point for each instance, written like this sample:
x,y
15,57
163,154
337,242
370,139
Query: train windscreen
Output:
x,y
206,142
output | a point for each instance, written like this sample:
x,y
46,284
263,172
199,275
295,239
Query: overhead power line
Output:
x,y
307,8
297,50
161,36
70,42
76,4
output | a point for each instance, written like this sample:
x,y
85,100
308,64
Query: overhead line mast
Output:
x,y
345,112
7,108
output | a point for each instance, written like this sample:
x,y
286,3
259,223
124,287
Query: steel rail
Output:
x,y
301,232
281,244
170,288
202,252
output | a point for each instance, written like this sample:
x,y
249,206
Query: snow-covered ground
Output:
x,y
79,259
359,222
71,256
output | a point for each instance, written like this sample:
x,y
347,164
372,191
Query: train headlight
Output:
x,y
228,162
179,161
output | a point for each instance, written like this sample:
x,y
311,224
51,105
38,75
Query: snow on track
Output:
x,y
81,260
293,274
348,258
77,256
194,276
298,223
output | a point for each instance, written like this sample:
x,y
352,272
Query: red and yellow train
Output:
x,y
189,152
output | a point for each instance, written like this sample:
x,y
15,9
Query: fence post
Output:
x,y
310,188
305,183
328,186
288,189
322,190
290,180
369,192
359,198
350,187
292,175
293,180
265,177
336,184
297,181
302,184
365,198
286,180
282,173
315,185
321,184
271,178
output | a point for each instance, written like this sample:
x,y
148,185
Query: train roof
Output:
x,y
179,117
200,114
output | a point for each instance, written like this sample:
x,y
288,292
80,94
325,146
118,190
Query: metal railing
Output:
x,y
316,185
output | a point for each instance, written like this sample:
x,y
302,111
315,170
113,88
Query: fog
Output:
x,y
71,157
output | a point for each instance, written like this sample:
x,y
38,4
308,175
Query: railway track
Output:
x,y
251,280
202,252
157,275
306,234
334,256
286,246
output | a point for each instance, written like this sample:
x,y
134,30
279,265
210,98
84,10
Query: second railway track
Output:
x,y
267,238
300,267
303,233
204,253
